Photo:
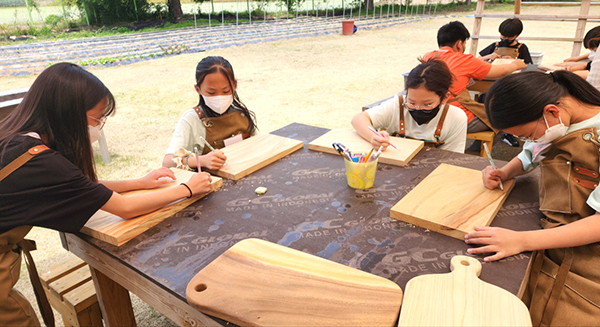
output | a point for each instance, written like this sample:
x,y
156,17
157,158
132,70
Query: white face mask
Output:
x,y
552,133
94,132
218,103
591,55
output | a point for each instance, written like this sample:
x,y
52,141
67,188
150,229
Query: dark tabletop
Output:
x,y
309,207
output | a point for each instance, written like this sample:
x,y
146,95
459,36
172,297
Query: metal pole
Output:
x,y
343,10
87,19
64,13
136,11
29,12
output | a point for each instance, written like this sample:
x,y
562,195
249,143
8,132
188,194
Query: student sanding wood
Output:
x,y
48,177
559,116
220,116
420,114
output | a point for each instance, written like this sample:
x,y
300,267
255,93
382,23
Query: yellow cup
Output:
x,y
360,175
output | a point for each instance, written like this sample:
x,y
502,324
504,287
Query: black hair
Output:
x,y
592,38
433,74
56,107
518,99
213,64
450,33
511,27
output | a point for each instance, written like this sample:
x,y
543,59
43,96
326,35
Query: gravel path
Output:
x,y
32,58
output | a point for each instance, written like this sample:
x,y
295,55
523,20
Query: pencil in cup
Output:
x,y
361,175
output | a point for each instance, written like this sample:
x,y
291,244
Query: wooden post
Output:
x,y
579,32
477,27
114,300
517,7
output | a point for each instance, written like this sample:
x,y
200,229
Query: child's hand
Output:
x,y
572,59
503,242
213,160
377,141
520,63
200,183
492,177
156,178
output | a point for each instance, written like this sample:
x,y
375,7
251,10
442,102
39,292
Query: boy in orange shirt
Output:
x,y
452,41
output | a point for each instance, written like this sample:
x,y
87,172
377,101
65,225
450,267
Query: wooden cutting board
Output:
x,y
116,230
460,298
258,283
451,200
355,143
254,153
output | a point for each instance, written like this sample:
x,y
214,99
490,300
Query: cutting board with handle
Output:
x,y
258,283
451,200
460,298
117,231
355,143
254,153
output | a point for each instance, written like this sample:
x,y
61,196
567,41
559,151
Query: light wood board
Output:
x,y
254,153
550,67
355,143
460,298
451,200
258,283
117,231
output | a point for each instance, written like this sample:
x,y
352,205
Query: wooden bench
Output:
x,y
9,100
486,137
70,291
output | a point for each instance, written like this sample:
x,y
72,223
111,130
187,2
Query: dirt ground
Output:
x,y
322,81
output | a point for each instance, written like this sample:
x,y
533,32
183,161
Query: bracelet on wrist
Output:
x,y
189,189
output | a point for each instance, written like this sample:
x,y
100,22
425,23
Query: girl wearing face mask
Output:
x,y
219,117
420,114
559,114
48,178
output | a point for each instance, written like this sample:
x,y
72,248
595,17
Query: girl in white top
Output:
x,y
423,105
219,115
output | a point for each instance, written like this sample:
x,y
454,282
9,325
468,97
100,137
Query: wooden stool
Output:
x,y
486,137
70,290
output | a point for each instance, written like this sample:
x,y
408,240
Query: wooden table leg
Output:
x,y
114,301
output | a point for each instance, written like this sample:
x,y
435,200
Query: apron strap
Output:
x,y
402,127
438,130
28,245
536,268
559,284
21,160
45,308
199,112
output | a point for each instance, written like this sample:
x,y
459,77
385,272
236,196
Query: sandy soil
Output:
x,y
322,81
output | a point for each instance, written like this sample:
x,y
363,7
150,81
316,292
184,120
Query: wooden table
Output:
x,y
309,207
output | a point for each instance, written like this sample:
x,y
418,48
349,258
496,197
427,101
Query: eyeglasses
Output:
x,y
530,137
426,108
100,121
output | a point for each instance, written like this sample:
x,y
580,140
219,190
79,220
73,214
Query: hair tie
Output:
x,y
554,79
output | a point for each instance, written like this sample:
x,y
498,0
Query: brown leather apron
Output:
x,y
15,310
435,141
464,98
478,109
223,127
564,284
508,51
